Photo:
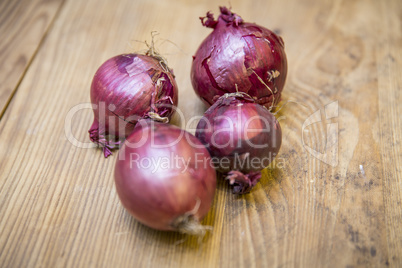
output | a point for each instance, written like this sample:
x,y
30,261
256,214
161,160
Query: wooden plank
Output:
x,y
389,126
23,25
58,202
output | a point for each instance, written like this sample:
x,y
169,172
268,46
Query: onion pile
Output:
x,y
241,53
244,137
164,178
125,89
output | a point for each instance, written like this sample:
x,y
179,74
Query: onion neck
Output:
x,y
98,137
243,183
239,94
156,117
226,17
230,99
229,17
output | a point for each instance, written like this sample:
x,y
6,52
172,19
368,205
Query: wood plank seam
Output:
x,y
45,34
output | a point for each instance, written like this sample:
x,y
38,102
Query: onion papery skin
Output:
x,y
165,197
243,136
242,54
125,89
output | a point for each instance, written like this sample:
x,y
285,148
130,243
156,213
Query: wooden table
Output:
x,y
58,203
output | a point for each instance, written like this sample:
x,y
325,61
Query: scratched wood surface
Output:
x,y
332,198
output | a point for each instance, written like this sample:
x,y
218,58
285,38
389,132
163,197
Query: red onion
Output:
x,y
127,88
164,177
243,138
241,53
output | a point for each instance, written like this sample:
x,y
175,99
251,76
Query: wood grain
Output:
x,y
23,25
58,203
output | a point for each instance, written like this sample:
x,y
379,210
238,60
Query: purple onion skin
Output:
x,y
234,54
162,199
125,89
240,131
